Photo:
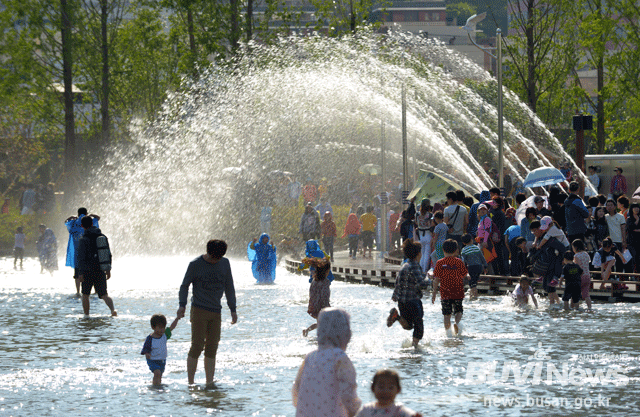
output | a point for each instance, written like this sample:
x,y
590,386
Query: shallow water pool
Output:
x,y
507,362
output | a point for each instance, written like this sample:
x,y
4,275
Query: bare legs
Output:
x,y
447,322
209,369
107,300
157,377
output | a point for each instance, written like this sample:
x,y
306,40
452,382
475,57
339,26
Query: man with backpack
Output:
x,y
94,264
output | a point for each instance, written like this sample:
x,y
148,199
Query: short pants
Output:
x,y
95,279
451,305
572,292
155,364
367,239
18,253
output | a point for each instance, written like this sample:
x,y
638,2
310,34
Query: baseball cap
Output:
x,y
545,222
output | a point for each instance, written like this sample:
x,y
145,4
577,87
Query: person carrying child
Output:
x,y
326,381
407,292
474,260
547,262
319,291
385,387
572,275
448,278
523,291
18,247
155,346
582,259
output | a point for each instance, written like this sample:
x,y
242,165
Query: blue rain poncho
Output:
x,y
75,233
264,260
313,250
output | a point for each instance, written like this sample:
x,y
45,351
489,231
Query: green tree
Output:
x,y
539,51
139,89
599,36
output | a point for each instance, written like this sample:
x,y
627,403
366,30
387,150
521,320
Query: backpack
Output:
x,y
102,253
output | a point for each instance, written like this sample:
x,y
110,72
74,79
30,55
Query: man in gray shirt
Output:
x,y
456,217
210,275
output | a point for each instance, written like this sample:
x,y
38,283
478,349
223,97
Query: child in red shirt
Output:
x,y
448,276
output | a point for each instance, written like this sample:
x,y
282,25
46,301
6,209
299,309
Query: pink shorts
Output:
x,y
585,286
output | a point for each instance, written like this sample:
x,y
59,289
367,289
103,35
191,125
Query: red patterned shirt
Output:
x,y
451,272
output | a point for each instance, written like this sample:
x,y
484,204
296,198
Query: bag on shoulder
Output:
x,y
102,253
453,222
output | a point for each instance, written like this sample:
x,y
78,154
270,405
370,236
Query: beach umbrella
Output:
x,y
540,177
371,169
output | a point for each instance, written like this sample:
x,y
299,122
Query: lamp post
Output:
x,y
471,27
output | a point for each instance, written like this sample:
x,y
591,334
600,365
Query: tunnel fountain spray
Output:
x,y
312,106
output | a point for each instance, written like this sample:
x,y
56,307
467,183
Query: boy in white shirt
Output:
x,y
155,347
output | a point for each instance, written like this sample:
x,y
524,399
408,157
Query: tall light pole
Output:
x,y
500,116
470,27
405,167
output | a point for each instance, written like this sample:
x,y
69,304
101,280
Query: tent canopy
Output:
x,y
434,187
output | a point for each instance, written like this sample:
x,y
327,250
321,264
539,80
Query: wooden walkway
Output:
x,y
382,272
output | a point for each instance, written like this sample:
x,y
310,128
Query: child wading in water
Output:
x,y
319,291
572,274
475,262
582,259
385,387
155,347
407,292
448,276
523,291
326,381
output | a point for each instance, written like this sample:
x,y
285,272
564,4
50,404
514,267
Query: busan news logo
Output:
x,y
539,368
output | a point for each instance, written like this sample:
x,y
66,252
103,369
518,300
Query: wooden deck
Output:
x,y
382,272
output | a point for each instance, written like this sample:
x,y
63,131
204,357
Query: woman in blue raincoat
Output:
x,y
263,255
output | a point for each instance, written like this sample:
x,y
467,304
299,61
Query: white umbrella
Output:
x,y
540,177
520,213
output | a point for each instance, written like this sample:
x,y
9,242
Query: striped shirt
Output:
x,y
408,282
472,255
